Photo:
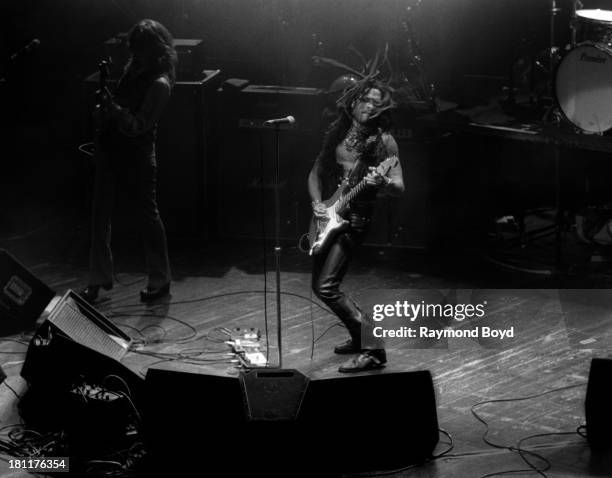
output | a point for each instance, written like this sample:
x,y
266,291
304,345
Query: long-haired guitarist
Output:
x,y
354,145
125,153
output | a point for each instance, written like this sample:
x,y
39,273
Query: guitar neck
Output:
x,y
346,199
103,75
383,168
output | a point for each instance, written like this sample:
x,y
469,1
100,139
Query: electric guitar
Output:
x,y
323,229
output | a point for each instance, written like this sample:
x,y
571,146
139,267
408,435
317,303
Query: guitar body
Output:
x,y
322,230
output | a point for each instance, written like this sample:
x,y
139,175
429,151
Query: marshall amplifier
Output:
x,y
246,159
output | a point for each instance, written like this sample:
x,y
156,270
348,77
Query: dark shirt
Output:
x,y
132,130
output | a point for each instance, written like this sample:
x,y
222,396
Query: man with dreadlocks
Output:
x,y
355,143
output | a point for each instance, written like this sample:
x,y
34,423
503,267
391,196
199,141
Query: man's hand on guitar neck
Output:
x,y
319,210
375,179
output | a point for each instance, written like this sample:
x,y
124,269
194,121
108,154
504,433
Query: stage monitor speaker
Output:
x,y
247,156
377,408
54,365
23,297
273,395
598,409
292,427
75,345
72,320
81,322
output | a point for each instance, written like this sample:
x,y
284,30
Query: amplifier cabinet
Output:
x,y
247,156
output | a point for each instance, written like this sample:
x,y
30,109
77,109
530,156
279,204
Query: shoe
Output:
x,y
368,360
348,347
90,293
153,293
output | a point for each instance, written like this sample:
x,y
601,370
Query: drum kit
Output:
x,y
583,88
578,80
583,77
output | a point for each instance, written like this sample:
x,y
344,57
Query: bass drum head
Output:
x,y
584,87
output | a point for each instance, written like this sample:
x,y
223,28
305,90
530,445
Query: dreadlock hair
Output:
x,y
371,149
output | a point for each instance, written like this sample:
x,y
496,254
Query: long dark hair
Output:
x,y
371,149
153,37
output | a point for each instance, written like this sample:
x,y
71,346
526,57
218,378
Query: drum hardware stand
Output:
x,y
554,11
552,54
575,5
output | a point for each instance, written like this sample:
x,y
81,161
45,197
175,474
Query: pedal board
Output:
x,y
95,392
246,347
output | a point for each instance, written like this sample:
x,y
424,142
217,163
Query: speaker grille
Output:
x,y
273,394
80,323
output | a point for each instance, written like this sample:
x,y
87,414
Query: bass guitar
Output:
x,y
323,229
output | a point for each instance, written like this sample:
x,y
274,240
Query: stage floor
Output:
x,y
222,283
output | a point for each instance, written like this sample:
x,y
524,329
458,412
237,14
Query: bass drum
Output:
x,y
583,86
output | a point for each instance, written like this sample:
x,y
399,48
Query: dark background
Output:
x,y
467,49
271,42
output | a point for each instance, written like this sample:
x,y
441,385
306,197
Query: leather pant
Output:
x,y
329,269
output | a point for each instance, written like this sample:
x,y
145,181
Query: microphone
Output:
x,y
285,120
26,49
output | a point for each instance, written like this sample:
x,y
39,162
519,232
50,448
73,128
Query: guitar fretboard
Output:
x,y
344,201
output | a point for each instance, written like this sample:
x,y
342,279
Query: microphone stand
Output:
x,y
575,5
277,246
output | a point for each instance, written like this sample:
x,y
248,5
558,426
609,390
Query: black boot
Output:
x,y
153,293
350,315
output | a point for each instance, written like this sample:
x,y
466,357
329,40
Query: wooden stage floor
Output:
x,y
221,285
